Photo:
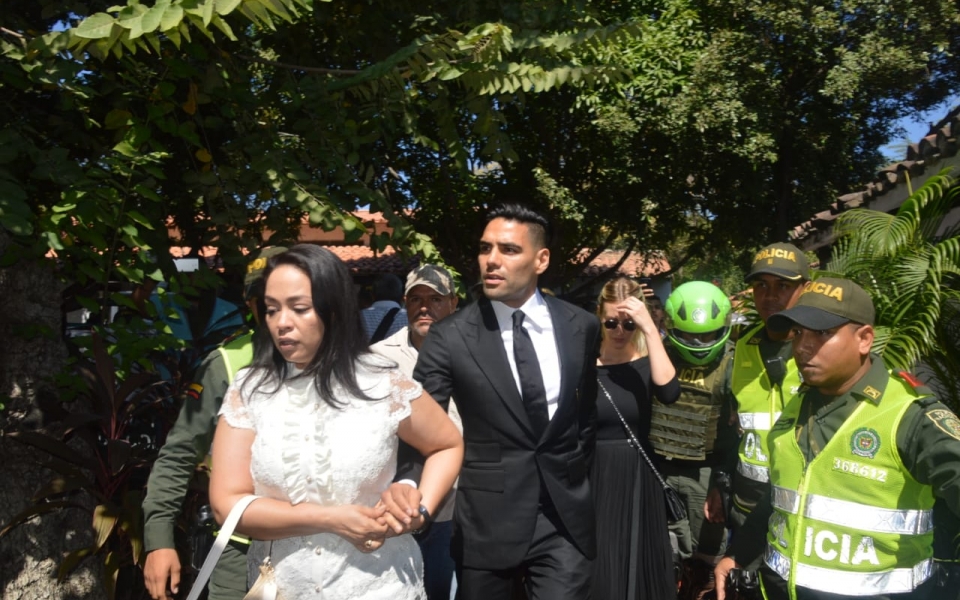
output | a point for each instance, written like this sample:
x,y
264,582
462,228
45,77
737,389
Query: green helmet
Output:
x,y
697,308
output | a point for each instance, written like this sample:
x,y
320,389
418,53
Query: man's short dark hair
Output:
x,y
539,224
387,287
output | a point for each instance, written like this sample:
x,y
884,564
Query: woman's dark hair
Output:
x,y
335,302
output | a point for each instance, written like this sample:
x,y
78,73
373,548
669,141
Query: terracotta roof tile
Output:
x,y
362,261
636,265
922,159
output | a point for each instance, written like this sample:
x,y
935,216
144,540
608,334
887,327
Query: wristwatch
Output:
x,y
427,519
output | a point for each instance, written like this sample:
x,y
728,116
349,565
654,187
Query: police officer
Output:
x,y
762,376
186,446
687,433
856,461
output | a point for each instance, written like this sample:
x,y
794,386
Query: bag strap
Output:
x,y
222,538
384,325
635,443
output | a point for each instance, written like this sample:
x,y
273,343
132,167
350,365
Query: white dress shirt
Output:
x,y
539,327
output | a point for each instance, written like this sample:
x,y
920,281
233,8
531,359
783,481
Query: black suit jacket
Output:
x,y
504,464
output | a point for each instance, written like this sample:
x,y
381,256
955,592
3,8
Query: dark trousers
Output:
x,y
553,569
438,565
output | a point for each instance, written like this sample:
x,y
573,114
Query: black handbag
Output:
x,y
676,510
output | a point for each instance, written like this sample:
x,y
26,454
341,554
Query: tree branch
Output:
x,y
293,67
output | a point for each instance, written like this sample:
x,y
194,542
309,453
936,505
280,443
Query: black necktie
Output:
x,y
531,379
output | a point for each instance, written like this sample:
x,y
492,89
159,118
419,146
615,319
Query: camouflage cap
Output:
x,y
824,304
783,260
256,266
433,276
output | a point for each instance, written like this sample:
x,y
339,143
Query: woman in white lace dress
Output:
x,y
312,427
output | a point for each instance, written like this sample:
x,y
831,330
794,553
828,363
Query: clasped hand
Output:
x,y
402,504
396,513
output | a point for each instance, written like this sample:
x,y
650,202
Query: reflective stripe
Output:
x,y
754,472
894,581
853,515
758,421
236,537
785,499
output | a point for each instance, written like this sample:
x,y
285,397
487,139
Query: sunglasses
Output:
x,y
628,325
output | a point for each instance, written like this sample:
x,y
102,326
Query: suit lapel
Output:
x,y
569,334
482,333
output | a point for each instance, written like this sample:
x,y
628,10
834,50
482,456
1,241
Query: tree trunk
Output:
x,y
29,358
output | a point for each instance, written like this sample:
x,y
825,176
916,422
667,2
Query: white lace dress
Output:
x,y
308,451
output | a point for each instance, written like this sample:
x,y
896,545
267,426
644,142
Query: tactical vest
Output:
x,y
854,519
759,404
687,429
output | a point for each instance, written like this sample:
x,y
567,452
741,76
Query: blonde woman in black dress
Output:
x,y
633,367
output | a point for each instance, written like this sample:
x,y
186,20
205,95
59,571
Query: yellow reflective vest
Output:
x,y
237,354
853,518
759,404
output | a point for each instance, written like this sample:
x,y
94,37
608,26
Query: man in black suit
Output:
x,y
526,389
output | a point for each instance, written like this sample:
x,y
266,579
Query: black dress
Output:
x,y
616,467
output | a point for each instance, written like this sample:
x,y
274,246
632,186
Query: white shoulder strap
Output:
x,y
222,538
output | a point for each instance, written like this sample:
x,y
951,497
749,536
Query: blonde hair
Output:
x,y
615,291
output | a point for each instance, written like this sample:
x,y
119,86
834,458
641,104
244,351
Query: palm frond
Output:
x,y
908,271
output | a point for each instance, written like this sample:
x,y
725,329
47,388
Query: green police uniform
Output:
x,y
926,450
689,435
188,443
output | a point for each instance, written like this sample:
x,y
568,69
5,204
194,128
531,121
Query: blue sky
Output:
x,y
917,126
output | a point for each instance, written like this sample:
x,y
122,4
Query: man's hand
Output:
x,y
162,565
402,502
720,575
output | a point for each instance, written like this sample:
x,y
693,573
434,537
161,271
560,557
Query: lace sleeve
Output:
x,y
403,391
234,408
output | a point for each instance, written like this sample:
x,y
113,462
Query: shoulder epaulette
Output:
x,y
236,334
911,380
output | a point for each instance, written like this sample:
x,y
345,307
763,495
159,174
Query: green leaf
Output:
x,y
172,17
154,17
104,520
62,485
15,224
225,7
207,8
223,27
35,510
126,149
260,13
97,26
149,194
277,8
53,447
70,562
52,239
117,118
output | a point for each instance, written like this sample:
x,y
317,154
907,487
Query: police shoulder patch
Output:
x,y
193,390
946,421
865,442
